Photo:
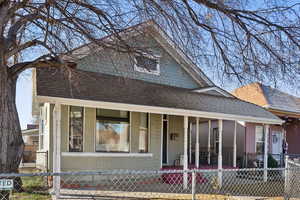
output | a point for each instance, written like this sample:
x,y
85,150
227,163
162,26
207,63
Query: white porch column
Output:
x,y
220,160
197,143
57,149
190,143
266,127
208,144
185,162
234,143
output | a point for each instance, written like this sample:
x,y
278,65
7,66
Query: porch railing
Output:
x,y
227,154
256,160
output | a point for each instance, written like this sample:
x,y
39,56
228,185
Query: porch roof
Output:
x,y
56,86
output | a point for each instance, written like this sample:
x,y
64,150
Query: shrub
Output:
x,y
272,163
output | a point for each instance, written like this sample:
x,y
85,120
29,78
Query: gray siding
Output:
x,y
110,62
175,147
105,163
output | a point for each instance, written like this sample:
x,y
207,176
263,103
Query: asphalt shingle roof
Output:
x,y
277,99
102,87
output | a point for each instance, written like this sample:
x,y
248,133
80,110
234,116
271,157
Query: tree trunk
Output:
x,y
11,142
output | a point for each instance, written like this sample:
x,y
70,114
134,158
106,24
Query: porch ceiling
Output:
x,y
96,87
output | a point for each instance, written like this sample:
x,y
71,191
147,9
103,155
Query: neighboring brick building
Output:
x,y
285,106
31,139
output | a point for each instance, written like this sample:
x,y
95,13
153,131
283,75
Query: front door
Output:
x,y
277,140
165,140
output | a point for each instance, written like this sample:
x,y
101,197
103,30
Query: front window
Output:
x,y
147,64
259,139
76,129
112,131
144,133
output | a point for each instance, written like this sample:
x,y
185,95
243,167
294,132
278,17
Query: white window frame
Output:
x,y
111,154
42,127
83,129
255,142
143,70
149,133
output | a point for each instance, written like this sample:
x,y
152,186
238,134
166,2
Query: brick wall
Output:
x,y
251,93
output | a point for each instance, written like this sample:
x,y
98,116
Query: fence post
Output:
x,y
57,149
194,185
286,175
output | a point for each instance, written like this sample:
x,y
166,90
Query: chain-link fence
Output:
x,y
25,186
177,184
292,186
197,184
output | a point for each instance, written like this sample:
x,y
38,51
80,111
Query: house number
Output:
x,y
6,184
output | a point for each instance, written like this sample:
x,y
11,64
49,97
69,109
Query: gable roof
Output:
x,y
268,97
213,90
279,100
163,39
133,94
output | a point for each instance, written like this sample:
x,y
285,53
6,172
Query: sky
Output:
x,y
24,89
24,98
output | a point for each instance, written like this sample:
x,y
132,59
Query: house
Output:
x,y
116,112
31,139
283,138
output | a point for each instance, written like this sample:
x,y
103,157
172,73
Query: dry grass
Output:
x,y
35,188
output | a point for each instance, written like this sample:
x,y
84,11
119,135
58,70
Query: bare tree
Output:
x,y
255,40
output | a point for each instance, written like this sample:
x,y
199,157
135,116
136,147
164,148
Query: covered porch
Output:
x,y
183,130
187,159
203,144
133,99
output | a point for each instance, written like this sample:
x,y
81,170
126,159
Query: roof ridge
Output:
x,y
260,85
286,93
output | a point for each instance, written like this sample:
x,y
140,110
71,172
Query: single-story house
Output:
x,y
138,111
284,139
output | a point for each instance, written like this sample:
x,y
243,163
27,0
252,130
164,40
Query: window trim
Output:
x,y
42,128
143,70
108,118
83,129
149,133
255,142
